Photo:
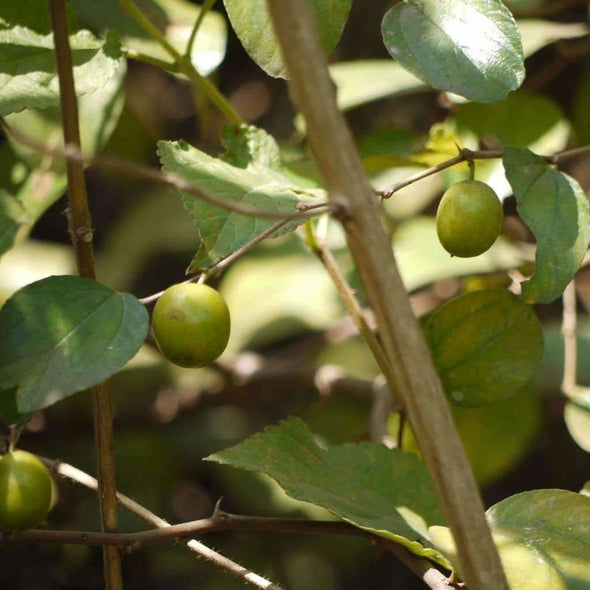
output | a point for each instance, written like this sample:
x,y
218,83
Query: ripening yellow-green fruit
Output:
x,y
25,491
191,324
469,218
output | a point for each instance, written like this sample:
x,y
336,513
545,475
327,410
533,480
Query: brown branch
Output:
x,y
80,227
220,520
220,266
415,376
72,154
466,155
223,521
80,477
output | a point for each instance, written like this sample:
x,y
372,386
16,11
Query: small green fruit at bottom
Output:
x,y
25,491
469,218
191,324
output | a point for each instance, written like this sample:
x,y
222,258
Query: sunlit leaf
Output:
x,y
253,183
297,292
469,47
98,114
422,260
495,436
251,21
577,420
536,33
542,536
174,18
485,345
64,334
522,120
29,78
556,209
385,491
362,81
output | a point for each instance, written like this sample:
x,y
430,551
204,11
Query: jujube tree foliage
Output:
x,y
293,233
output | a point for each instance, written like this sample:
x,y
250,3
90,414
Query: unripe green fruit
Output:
x,y
469,218
25,491
191,324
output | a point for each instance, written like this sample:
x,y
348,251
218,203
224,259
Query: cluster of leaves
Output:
x,y
63,334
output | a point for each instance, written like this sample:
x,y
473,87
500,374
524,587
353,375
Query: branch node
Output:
x,y
339,209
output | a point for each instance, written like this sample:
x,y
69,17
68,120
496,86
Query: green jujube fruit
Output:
x,y
191,324
469,218
25,491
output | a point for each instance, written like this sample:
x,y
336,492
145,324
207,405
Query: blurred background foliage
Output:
x,y
287,318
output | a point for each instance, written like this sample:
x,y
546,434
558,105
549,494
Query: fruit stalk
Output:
x,y
353,201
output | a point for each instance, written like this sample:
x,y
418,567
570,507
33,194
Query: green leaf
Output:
x,y
32,14
495,436
28,76
64,334
251,148
174,18
556,209
31,260
577,420
251,21
523,120
387,492
221,231
9,413
469,47
537,33
543,538
362,81
12,217
298,297
98,114
485,345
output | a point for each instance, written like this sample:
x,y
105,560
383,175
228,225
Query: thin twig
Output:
x,y
220,266
171,180
570,346
470,155
73,473
203,10
414,373
81,235
184,64
350,301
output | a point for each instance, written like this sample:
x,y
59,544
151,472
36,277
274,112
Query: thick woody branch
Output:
x,y
415,377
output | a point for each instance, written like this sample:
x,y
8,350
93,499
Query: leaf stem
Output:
x,y
184,64
204,9
80,228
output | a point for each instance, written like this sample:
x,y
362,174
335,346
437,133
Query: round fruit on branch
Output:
x,y
469,218
25,491
191,324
